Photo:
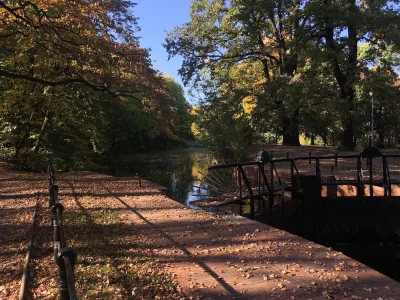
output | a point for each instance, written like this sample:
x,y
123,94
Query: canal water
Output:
x,y
179,170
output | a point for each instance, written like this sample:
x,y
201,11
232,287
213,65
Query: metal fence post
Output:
x,y
251,195
56,231
66,257
310,185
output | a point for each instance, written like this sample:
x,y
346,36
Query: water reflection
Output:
x,y
179,170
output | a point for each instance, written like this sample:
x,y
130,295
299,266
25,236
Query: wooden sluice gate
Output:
x,y
318,197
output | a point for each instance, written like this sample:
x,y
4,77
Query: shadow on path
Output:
x,y
225,285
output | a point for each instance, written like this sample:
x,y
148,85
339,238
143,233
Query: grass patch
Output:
x,y
105,217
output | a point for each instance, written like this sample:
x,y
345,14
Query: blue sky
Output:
x,y
156,17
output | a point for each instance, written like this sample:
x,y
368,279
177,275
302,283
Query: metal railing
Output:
x,y
268,187
263,188
64,257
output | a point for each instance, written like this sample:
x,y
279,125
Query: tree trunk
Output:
x,y
291,130
24,141
324,137
380,142
250,137
345,79
346,139
312,139
35,149
17,149
346,83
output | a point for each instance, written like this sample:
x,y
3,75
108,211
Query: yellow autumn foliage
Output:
x,y
249,103
195,130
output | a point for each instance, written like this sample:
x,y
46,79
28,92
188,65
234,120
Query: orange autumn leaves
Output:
x,y
56,42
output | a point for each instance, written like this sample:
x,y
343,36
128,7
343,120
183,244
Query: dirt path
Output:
x,y
135,243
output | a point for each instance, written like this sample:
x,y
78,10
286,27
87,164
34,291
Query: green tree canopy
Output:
x,y
286,38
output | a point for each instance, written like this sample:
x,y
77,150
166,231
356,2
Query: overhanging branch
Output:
x,y
7,74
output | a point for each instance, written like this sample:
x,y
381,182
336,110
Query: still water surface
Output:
x,y
179,170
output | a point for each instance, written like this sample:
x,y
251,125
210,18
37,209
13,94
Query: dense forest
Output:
x,y
284,69
75,82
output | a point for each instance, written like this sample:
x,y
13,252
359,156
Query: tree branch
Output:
x,y
118,93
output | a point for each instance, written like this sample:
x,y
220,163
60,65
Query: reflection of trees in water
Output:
x,y
198,168
178,170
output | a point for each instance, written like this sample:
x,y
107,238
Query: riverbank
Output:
x,y
134,242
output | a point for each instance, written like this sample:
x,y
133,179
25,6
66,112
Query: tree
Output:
x,y
54,119
220,121
181,128
283,36
341,26
63,70
380,80
224,34
93,43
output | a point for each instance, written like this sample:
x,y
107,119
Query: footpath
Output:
x,y
209,256
229,257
